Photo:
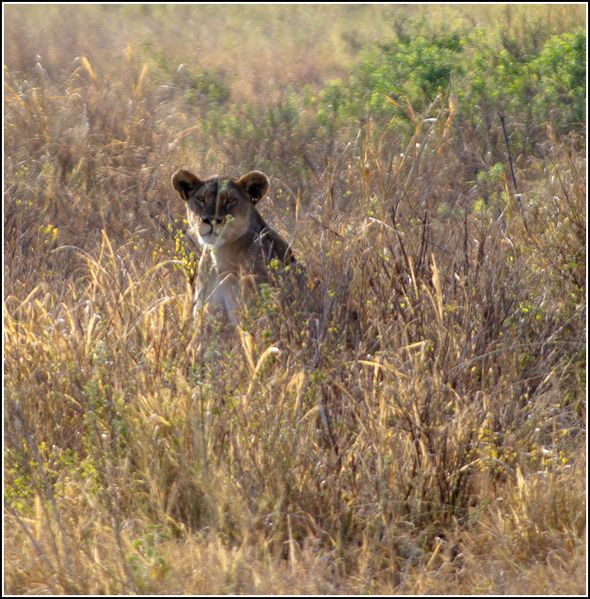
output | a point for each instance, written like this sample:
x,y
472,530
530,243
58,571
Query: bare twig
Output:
x,y
506,141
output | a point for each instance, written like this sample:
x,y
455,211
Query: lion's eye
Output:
x,y
230,201
200,199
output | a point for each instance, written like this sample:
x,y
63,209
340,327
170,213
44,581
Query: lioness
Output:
x,y
234,237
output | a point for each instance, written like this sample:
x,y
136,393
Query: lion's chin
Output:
x,y
212,239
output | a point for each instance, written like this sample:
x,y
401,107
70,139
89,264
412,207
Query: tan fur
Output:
x,y
235,239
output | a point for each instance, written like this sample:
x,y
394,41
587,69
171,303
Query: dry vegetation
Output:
x,y
420,430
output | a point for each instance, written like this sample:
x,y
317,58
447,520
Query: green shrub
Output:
x,y
561,81
531,80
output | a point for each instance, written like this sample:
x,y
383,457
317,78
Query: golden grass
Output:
x,y
420,429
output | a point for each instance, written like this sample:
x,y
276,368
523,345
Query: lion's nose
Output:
x,y
212,220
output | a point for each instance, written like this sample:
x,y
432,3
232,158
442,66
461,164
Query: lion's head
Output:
x,y
219,209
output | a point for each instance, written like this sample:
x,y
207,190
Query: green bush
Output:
x,y
531,80
561,83
414,67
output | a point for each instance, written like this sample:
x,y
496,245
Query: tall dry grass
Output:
x,y
419,429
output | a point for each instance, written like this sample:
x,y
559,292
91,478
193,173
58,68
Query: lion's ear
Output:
x,y
255,184
185,183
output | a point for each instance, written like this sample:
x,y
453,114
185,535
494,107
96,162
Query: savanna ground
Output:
x,y
421,427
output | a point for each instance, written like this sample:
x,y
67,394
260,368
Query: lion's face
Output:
x,y
218,208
